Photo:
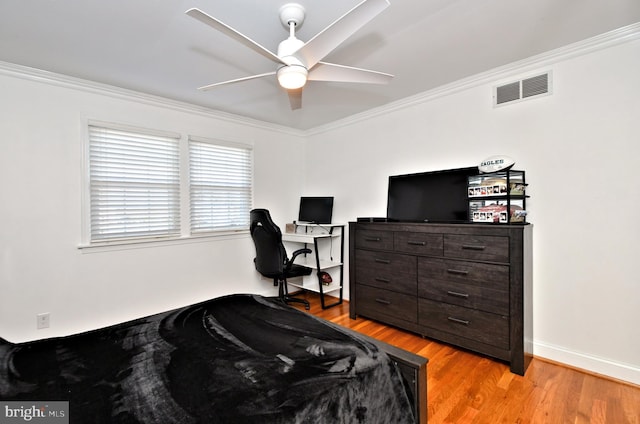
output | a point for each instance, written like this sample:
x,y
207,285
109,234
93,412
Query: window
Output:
x,y
134,184
220,185
135,180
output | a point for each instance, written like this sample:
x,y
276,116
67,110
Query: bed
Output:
x,y
233,359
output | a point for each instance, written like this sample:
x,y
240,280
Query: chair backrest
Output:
x,y
271,255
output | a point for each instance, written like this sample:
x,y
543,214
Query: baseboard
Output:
x,y
589,363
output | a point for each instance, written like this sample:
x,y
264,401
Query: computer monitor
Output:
x,y
316,210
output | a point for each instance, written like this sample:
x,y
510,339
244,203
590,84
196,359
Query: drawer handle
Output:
x,y
472,247
372,239
383,280
458,321
458,271
383,301
417,243
382,261
456,294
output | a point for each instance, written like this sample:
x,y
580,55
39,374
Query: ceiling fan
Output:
x,y
301,62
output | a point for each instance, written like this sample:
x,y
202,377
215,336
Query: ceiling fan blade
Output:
x,y
230,32
324,71
332,36
295,98
210,86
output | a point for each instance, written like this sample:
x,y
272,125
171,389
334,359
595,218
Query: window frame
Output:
x,y
225,144
185,234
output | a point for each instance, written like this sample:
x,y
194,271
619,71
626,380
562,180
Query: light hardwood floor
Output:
x,y
464,388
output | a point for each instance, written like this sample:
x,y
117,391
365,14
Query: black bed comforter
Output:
x,y
234,359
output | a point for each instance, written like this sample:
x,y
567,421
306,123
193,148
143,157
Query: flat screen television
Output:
x,y
316,210
439,196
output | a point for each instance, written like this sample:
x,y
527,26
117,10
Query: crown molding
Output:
x,y
69,82
581,48
590,45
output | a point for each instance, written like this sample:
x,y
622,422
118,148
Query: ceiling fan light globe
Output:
x,y
292,77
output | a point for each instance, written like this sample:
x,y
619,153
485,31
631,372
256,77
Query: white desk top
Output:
x,y
304,237
311,224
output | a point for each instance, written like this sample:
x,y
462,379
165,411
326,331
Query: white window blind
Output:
x,y
134,184
220,186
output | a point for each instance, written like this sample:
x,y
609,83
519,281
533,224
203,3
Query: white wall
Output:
x,y
580,148
42,126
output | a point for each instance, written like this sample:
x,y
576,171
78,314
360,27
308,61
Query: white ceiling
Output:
x,y
151,46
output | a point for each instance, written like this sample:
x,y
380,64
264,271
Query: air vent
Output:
x,y
535,85
523,89
508,93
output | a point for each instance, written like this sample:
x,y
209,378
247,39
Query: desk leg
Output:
x,y
315,243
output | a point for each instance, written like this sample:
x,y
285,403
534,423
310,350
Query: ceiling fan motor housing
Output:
x,y
287,48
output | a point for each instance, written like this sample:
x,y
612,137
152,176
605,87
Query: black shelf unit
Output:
x,y
498,197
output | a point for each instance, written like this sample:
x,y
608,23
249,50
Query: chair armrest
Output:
x,y
300,252
295,255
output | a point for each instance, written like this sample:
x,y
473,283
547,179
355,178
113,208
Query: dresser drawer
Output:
x,y
386,270
418,243
482,248
484,327
373,239
469,284
492,276
373,302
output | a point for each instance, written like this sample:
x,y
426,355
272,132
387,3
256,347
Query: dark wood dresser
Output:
x,y
469,285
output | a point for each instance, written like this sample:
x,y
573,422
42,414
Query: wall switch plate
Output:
x,y
42,320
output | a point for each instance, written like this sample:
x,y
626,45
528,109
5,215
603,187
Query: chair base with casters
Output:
x,y
283,291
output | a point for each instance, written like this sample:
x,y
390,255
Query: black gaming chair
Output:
x,y
271,256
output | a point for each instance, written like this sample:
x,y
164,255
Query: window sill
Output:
x,y
161,242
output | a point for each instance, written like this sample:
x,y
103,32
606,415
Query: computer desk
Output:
x,y
320,238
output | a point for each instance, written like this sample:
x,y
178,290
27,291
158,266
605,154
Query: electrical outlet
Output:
x,y
42,320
